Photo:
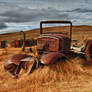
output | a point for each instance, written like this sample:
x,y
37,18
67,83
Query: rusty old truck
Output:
x,y
51,47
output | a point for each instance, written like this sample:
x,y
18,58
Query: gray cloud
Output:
x,y
26,15
22,11
80,10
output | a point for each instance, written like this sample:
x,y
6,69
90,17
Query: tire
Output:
x,y
88,52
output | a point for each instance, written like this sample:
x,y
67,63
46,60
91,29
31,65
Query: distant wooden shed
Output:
x,y
3,44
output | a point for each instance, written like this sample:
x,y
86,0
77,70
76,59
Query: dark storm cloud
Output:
x,y
2,25
26,15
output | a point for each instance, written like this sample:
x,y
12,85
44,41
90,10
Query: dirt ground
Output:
x,y
74,75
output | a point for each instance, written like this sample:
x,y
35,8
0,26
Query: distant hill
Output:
x,y
77,32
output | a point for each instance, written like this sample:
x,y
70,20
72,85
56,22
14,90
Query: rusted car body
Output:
x,y
15,62
60,43
53,44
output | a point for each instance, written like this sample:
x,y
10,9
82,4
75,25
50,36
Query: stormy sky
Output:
x,y
28,13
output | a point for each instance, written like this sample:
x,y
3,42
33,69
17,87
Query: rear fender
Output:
x,y
50,58
88,51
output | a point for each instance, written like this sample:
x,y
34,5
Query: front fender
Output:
x,y
50,58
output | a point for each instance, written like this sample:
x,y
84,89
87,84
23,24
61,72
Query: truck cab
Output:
x,y
54,42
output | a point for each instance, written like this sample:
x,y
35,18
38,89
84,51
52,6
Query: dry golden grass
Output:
x,y
74,75
43,79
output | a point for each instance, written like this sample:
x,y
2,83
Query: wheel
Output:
x,y
88,52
